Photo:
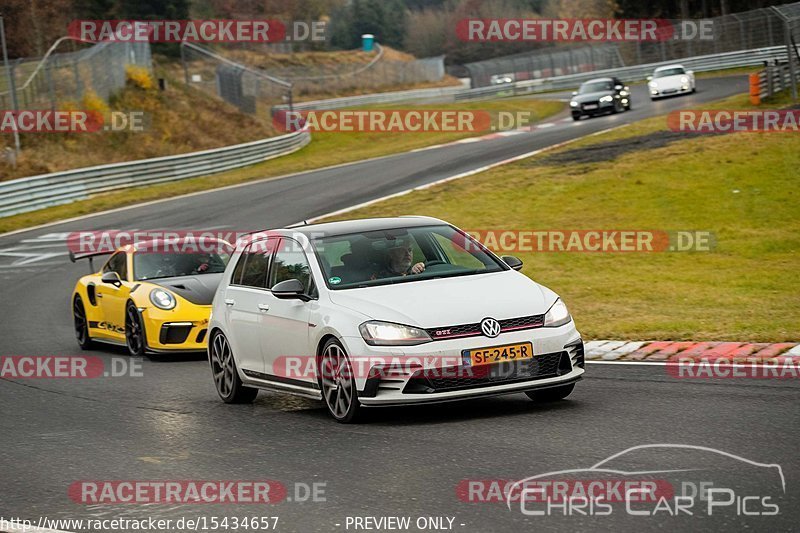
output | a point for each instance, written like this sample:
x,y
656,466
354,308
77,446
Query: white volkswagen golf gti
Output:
x,y
387,311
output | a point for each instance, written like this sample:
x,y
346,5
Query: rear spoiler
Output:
x,y
90,256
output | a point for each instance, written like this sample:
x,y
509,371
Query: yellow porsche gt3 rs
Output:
x,y
149,300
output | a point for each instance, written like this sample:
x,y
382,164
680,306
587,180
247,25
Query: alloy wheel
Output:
x,y
222,365
338,386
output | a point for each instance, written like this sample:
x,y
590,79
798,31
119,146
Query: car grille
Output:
x,y
174,334
474,330
461,378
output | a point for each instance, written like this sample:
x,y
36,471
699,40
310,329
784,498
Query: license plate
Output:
x,y
590,106
498,354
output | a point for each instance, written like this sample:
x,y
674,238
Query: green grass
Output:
x,y
742,187
325,149
659,123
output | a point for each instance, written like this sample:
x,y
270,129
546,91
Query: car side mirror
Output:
x,y
514,262
111,278
290,289
618,87
574,93
690,72
649,78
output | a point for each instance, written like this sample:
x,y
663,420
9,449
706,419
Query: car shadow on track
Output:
x,y
117,351
465,410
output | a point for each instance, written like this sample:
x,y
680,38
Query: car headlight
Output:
x,y
606,98
684,79
162,299
558,315
653,85
573,103
623,93
376,333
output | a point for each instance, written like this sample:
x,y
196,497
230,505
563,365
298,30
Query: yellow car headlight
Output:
x,y
162,299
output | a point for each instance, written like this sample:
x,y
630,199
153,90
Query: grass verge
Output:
x,y
742,187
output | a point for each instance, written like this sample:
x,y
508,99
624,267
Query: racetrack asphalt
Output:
x,y
168,423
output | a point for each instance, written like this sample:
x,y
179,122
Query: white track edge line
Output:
x,y
457,176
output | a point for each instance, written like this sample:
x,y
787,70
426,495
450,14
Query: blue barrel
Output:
x,y
367,42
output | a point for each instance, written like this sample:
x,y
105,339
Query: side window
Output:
x,y
236,277
119,264
253,265
290,263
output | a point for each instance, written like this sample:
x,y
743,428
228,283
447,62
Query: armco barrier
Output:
x,y
36,192
769,81
744,58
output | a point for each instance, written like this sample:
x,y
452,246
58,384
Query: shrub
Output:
x,y
139,77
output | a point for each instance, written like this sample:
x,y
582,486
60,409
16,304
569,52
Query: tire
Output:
x,y
226,378
553,394
576,118
81,325
337,383
134,331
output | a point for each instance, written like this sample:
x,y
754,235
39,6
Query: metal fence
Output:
x,y
759,28
744,58
42,83
251,90
37,192
545,64
255,90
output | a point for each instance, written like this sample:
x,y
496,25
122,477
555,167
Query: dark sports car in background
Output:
x,y
599,96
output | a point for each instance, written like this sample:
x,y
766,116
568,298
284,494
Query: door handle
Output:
x,y
263,307
229,301
98,295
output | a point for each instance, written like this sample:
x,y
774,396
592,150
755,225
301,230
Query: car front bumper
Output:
x,y
400,375
670,91
167,331
601,109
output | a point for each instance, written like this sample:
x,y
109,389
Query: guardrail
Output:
x,y
767,82
46,190
744,58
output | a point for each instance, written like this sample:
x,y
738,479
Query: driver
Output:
x,y
399,259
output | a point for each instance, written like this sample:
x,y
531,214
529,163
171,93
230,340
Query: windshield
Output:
x,y
401,255
149,265
595,87
669,72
